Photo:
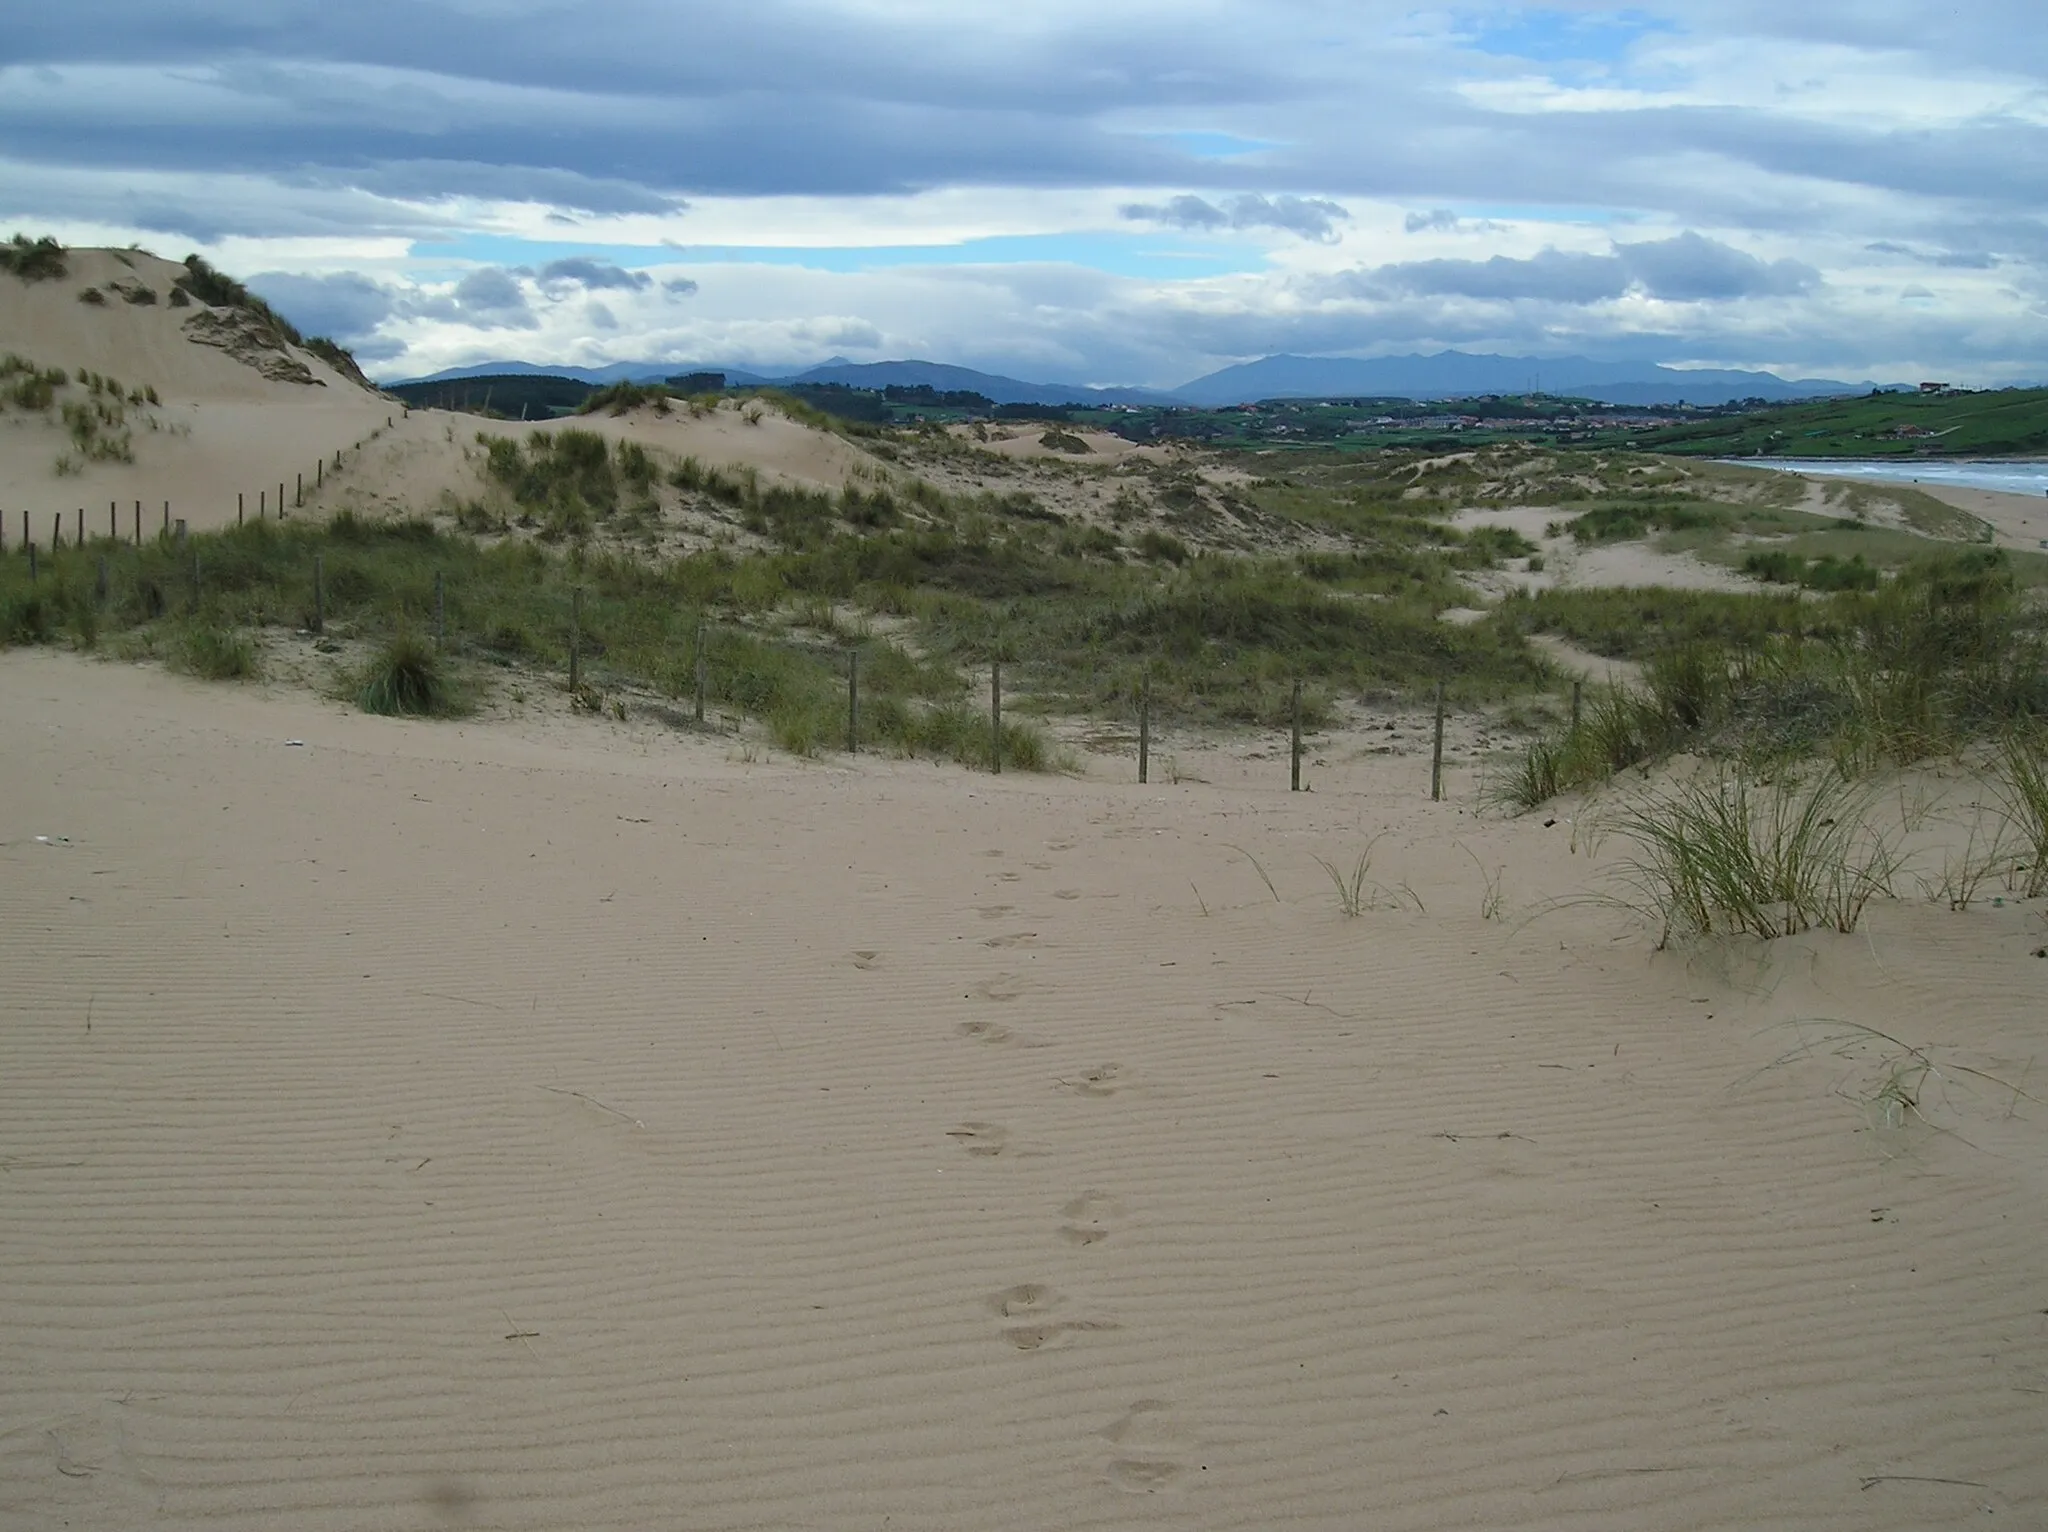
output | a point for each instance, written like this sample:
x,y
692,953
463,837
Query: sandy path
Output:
x,y
440,1125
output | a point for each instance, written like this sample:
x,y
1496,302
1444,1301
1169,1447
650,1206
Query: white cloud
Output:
x,y
1730,180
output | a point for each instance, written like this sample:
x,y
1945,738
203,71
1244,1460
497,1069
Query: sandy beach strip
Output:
x,y
488,1126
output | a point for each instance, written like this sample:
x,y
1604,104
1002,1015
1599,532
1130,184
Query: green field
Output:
x,y
2004,422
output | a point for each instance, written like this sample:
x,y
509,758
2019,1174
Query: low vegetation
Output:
x,y
37,260
1950,653
1729,854
405,678
769,654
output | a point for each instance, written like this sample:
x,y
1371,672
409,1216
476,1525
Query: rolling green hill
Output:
x,y
2003,422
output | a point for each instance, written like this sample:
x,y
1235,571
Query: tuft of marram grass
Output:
x,y
406,679
1724,855
215,652
2023,790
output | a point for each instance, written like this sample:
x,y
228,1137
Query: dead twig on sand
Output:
x,y
581,1096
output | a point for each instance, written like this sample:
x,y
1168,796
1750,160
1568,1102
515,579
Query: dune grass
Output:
x,y
1949,653
214,652
406,678
1725,854
2022,786
34,260
509,609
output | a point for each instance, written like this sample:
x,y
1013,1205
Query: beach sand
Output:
x,y
548,1125
2019,521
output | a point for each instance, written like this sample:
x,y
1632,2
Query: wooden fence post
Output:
x,y
1294,744
853,702
280,500
138,523
576,639
995,715
298,494
239,498
1144,728
56,531
167,518
1436,753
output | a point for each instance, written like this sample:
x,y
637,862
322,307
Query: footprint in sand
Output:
x,y
1090,1218
1014,939
1039,866
996,1035
1066,893
992,1032
994,911
1102,1080
865,960
1149,1453
1003,987
983,1140
1033,1303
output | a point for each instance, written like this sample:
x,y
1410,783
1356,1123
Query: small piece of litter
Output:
x,y
53,840
295,742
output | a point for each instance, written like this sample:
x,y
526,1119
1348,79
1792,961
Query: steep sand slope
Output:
x,y
450,1125
224,426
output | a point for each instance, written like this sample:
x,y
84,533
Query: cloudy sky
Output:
x,y
1100,191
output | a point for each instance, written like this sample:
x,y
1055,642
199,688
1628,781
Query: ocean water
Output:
x,y
1963,473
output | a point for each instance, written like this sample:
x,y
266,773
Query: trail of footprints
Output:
x,y
1147,1452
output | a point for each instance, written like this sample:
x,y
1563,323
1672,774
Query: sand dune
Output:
x,y
223,428
494,1126
1025,443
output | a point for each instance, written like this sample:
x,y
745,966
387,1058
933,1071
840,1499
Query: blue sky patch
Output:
x,y
1562,37
1214,146
1149,256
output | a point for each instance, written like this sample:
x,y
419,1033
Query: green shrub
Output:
x,y
40,260
27,616
624,397
1163,546
1626,523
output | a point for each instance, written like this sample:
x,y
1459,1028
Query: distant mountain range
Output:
x,y
1445,375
